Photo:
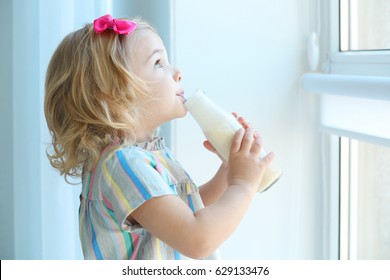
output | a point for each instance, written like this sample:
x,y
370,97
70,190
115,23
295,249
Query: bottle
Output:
x,y
219,128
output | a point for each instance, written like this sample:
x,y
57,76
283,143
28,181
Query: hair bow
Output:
x,y
118,25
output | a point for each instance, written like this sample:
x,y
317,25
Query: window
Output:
x,y
354,88
364,25
353,40
364,200
364,43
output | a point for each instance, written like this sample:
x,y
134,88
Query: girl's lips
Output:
x,y
181,95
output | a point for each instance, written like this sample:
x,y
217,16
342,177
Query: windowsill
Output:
x,y
371,87
353,106
367,57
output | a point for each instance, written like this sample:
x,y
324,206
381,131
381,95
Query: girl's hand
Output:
x,y
245,167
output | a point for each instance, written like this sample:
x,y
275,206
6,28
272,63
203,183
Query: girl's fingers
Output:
x,y
209,146
237,140
247,141
242,121
257,144
268,159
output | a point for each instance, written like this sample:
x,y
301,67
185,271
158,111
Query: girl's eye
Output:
x,y
158,64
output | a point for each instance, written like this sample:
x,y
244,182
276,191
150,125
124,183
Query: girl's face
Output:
x,y
150,63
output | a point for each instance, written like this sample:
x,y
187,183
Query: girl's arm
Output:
x,y
198,234
213,190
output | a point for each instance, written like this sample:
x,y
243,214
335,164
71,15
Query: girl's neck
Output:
x,y
142,136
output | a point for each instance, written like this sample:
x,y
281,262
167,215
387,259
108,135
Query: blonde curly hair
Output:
x,y
91,97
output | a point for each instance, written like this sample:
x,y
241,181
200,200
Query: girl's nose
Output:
x,y
177,75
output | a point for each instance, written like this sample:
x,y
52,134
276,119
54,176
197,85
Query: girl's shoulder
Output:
x,y
134,152
115,152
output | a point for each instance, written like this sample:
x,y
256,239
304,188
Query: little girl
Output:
x,y
108,87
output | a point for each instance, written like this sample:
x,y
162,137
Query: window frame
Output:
x,y
368,62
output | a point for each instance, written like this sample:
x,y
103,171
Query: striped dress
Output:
x,y
126,177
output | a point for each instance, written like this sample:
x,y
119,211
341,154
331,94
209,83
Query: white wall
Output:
x,y
249,56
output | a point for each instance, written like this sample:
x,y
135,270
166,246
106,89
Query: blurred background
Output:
x,y
279,64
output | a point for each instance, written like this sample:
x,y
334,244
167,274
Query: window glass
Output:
x,y
364,25
365,201
373,202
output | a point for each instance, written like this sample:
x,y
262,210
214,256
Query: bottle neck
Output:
x,y
204,111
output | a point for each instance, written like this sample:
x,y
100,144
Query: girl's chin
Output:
x,y
183,114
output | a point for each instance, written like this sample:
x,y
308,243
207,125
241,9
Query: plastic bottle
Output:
x,y
219,128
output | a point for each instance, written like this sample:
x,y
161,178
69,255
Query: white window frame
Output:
x,y
349,82
353,73
368,63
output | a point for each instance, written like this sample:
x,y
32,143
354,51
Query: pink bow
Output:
x,y
119,26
